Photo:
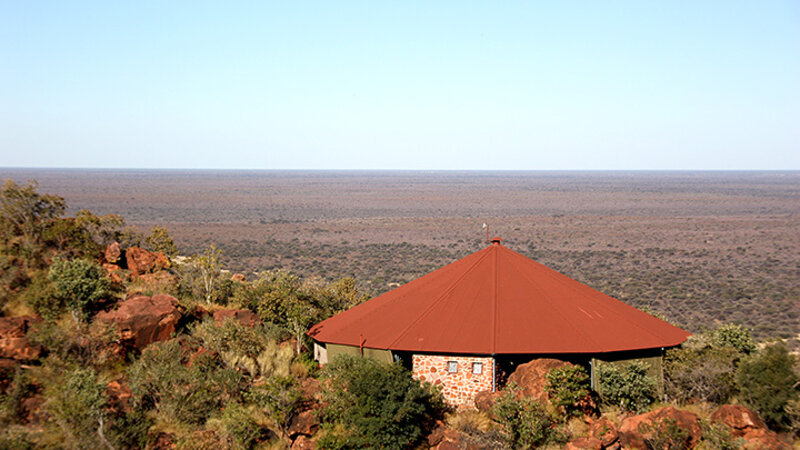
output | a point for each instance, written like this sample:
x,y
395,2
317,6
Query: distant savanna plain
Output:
x,y
697,248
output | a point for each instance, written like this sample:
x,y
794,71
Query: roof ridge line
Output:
x,y
436,301
494,304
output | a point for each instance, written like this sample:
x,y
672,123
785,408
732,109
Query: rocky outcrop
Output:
x,y
140,261
633,431
119,396
763,439
243,316
113,253
142,320
738,418
304,443
584,443
305,424
531,377
13,338
484,400
605,431
746,424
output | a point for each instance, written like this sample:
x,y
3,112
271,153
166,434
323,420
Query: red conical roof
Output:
x,y
496,301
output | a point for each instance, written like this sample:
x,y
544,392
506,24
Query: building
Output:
x,y
467,325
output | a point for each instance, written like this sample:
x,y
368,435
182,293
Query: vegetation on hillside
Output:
x,y
228,382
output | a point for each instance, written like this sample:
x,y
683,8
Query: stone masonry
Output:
x,y
459,387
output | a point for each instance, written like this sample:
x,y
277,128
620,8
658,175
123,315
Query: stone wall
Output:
x,y
458,388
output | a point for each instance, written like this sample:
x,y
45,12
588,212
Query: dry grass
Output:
x,y
469,421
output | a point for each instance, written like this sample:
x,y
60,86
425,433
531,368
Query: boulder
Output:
x,y
141,261
304,442
763,439
305,423
584,443
142,320
633,431
455,440
531,377
114,272
238,278
13,341
484,400
244,316
32,411
604,430
738,418
119,396
437,434
112,253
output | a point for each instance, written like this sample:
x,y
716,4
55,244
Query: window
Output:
x,y
477,368
452,366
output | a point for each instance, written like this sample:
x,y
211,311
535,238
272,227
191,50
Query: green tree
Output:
x,y
768,383
159,240
201,276
79,285
78,406
373,404
24,214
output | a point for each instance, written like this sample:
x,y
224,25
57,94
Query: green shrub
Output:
x,y
374,404
735,336
253,349
626,385
767,383
78,405
237,426
79,285
719,437
279,398
706,373
567,386
161,380
665,435
524,421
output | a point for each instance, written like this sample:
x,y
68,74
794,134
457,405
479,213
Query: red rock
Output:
x,y
238,278
141,261
13,341
304,423
112,253
119,396
244,316
632,435
32,412
738,418
455,440
484,400
437,434
585,443
141,320
763,439
114,272
304,442
311,389
163,441
604,430
531,377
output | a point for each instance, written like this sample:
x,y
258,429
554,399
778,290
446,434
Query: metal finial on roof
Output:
x,y
496,240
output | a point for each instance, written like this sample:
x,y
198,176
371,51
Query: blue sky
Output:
x,y
401,85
